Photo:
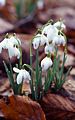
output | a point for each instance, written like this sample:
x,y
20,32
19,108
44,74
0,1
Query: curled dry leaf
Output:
x,y
20,108
58,107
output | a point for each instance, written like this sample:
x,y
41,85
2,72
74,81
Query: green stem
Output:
x,y
37,75
31,82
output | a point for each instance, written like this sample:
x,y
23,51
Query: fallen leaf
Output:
x,y
21,108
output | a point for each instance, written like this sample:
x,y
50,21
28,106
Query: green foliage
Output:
x,y
36,83
17,89
24,7
55,75
54,79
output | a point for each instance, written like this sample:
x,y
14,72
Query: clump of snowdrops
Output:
x,y
47,74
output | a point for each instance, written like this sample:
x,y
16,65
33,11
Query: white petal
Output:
x,y
36,41
40,4
46,28
15,41
44,40
19,41
2,2
17,53
13,51
59,40
27,75
23,75
56,40
10,50
50,32
60,25
16,70
49,49
0,47
62,40
19,78
5,43
46,63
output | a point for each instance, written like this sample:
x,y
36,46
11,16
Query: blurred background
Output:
x,y
24,17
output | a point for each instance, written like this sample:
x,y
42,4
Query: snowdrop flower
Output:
x,y
23,75
43,40
39,40
40,4
46,63
15,41
4,44
2,2
59,40
36,41
60,25
49,49
50,31
13,51
9,45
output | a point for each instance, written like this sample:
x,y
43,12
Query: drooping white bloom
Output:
x,y
46,63
4,44
15,40
59,40
2,2
60,25
43,40
49,49
13,51
50,31
36,41
23,75
40,4
39,40
9,44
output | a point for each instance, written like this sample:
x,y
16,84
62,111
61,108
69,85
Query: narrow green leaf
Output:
x,y
9,76
37,74
28,66
32,72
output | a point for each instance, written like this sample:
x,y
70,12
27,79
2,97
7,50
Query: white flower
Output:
x,y
4,44
39,40
49,49
46,63
36,41
40,4
13,51
9,45
15,40
43,40
59,40
2,2
60,25
50,31
23,75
